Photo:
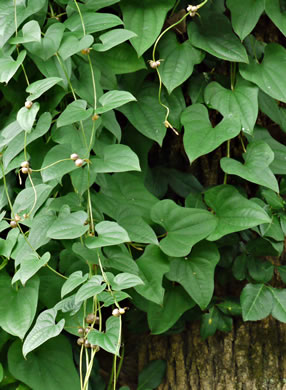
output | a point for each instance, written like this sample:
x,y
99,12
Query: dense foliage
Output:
x,y
139,184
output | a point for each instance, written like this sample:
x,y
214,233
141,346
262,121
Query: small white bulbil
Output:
x,y
25,164
17,218
122,311
116,312
13,224
154,64
25,170
28,104
79,162
74,156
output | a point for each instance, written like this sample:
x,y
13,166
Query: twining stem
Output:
x,y
167,124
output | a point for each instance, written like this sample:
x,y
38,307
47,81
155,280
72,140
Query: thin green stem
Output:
x,y
35,194
81,18
93,81
227,155
51,165
55,271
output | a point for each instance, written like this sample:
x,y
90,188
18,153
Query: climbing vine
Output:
x,y
142,179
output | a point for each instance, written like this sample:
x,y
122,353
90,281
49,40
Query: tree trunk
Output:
x,y
251,357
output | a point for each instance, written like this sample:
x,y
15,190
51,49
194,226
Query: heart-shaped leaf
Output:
x,y
242,102
217,38
71,45
163,317
182,57
30,265
44,329
74,112
43,368
69,226
244,15
152,375
73,281
146,19
31,33
17,307
200,137
26,116
116,158
114,99
268,75
233,211
109,233
125,280
184,226
9,66
196,273
93,22
113,38
108,340
256,302
274,12
89,289
39,87
256,169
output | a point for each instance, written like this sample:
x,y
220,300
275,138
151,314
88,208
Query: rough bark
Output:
x,y
251,357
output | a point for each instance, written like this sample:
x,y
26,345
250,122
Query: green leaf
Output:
x,y
184,226
244,15
70,45
7,12
152,375
119,258
182,57
163,317
256,302
268,75
26,116
196,273
93,22
113,38
255,169
282,272
146,19
46,368
114,99
241,102
98,4
115,59
74,112
279,304
153,265
17,307
234,211
55,155
274,200
276,14
39,87
73,281
9,66
44,329
271,108
1,373
146,115
125,280
217,38
31,33
68,227
260,271
89,289
200,137
30,265
277,166
230,307
239,268
115,158
49,44
209,323
109,299
109,233
108,340
26,198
